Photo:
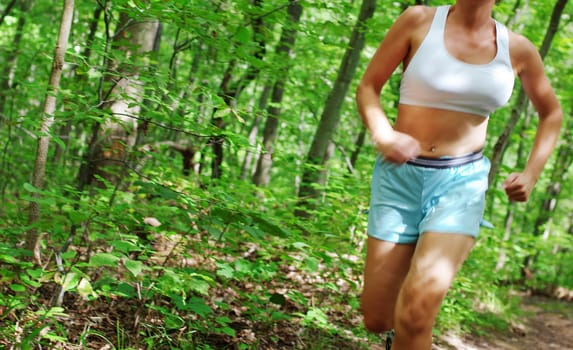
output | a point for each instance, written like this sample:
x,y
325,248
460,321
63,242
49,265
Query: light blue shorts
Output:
x,y
410,199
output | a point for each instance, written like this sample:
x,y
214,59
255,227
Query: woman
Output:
x,y
429,182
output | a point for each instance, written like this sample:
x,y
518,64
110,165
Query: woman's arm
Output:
x,y
530,70
394,49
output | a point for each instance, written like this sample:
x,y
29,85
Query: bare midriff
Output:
x,y
442,132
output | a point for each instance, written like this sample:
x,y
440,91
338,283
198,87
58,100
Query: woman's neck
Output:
x,y
472,14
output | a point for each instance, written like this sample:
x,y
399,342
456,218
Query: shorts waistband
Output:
x,y
446,162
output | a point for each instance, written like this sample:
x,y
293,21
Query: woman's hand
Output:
x,y
518,187
397,147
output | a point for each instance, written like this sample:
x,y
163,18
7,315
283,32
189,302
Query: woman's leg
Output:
x,y
386,267
437,259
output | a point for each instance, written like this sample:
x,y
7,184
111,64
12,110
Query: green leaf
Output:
x,y
244,266
77,216
32,283
70,281
223,320
225,270
125,290
134,266
317,316
227,330
103,259
54,311
17,288
270,227
70,254
174,321
279,316
59,141
198,306
167,193
311,264
9,259
200,286
300,245
243,35
30,188
255,232
125,246
55,338
36,273
85,289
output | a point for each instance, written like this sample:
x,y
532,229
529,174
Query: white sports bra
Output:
x,y
436,79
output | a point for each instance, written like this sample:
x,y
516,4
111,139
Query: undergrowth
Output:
x,y
160,266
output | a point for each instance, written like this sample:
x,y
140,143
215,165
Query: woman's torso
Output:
x,y
447,132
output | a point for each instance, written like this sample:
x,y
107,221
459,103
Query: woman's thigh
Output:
x,y
436,261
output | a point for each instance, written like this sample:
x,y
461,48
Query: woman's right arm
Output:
x,y
394,48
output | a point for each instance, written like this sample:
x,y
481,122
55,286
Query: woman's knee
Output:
x,y
377,316
377,323
419,304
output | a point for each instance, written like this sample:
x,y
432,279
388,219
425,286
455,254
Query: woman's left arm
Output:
x,y
529,67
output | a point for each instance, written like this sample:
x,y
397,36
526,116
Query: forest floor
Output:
x,y
548,324
110,323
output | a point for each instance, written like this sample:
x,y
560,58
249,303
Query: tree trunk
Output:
x,y
7,76
522,100
331,115
561,167
358,146
286,43
231,91
47,121
116,136
510,213
503,140
517,11
66,128
7,10
247,162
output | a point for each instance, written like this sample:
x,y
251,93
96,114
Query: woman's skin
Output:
x,y
404,284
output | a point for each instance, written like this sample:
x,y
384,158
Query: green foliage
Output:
x,y
160,260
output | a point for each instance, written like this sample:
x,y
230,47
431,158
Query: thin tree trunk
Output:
x,y
323,174
231,91
503,140
87,167
522,99
7,76
517,12
116,137
510,213
8,90
247,162
7,10
147,103
47,121
358,146
561,167
331,114
264,164
286,43
66,128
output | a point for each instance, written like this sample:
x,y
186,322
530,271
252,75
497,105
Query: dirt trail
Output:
x,y
548,324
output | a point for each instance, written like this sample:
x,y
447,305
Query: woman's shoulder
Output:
x,y
521,50
416,16
418,13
